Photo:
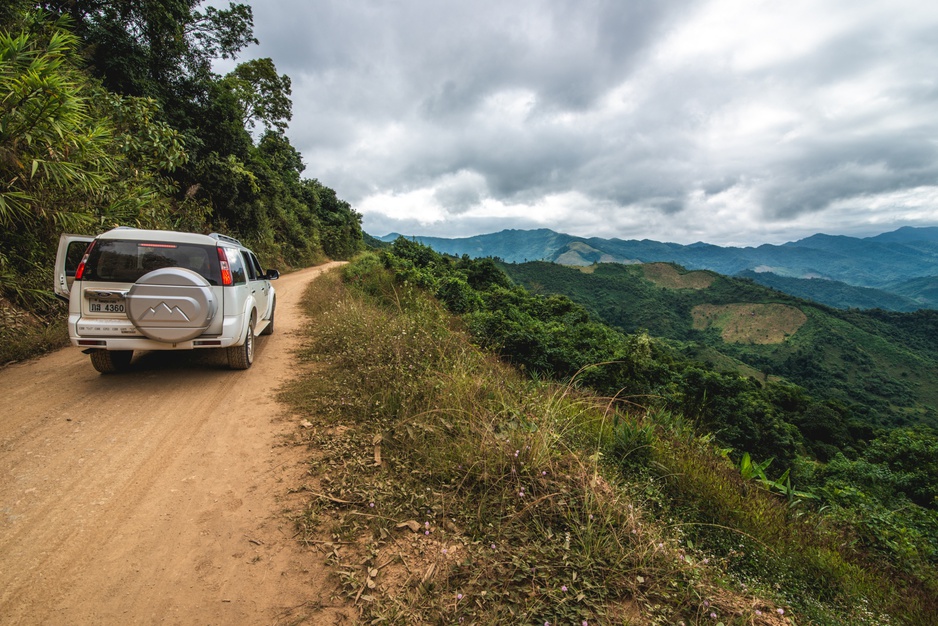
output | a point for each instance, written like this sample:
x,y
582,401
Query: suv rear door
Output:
x,y
67,258
260,286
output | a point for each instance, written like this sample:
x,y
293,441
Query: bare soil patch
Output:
x,y
750,323
666,275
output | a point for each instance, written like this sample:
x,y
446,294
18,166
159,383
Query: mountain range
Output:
x,y
895,271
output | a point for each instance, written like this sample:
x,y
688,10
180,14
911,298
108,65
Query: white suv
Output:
x,y
131,289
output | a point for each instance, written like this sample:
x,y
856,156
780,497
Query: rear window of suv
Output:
x,y
125,261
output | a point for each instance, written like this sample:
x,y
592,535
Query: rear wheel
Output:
x,y
111,361
241,357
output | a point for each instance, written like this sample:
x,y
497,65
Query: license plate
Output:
x,y
102,306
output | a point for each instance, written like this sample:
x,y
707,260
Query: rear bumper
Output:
x,y
120,334
149,344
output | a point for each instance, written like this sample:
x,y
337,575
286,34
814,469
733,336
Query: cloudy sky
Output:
x,y
734,122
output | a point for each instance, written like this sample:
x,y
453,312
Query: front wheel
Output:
x,y
111,361
241,357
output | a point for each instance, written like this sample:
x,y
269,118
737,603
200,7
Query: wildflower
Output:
x,y
493,546
563,587
781,611
544,473
516,452
444,550
584,623
371,505
706,603
758,612
426,532
459,596
713,615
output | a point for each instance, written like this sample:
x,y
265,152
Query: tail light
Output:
x,y
225,268
80,270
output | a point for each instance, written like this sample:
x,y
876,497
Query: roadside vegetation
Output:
x,y
484,455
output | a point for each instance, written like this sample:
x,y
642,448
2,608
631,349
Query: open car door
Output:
x,y
67,258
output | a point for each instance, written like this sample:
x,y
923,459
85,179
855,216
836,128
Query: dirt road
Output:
x,y
155,496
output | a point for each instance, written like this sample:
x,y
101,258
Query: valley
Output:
x,y
883,364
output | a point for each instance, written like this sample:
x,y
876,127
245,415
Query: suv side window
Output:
x,y
251,271
237,267
258,273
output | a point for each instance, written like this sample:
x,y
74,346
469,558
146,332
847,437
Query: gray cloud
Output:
x,y
615,114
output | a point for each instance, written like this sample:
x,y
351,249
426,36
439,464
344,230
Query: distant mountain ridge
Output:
x,y
902,263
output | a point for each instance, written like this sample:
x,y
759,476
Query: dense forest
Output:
x,y
110,114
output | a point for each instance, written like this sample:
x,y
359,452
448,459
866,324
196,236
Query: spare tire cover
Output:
x,y
171,304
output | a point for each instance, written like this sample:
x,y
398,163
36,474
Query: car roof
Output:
x,y
142,234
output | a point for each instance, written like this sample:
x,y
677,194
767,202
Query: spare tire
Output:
x,y
171,304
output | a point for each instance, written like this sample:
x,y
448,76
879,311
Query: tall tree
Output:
x,y
264,96
156,48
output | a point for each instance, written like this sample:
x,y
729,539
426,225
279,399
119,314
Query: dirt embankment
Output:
x,y
156,496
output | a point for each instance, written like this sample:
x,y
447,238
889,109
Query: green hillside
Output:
x,y
923,291
886,364
840,295
592,482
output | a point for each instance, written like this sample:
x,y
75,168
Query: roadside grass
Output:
x,y
24,335
449,488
